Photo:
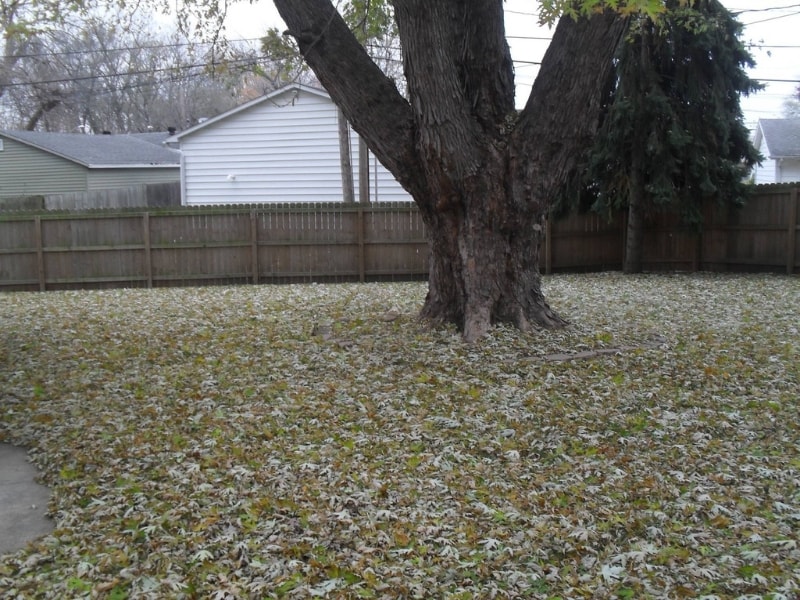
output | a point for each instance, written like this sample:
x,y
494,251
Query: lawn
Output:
x,y
318,441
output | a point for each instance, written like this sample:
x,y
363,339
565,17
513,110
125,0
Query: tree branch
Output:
x,y
574,80
368,98
489,79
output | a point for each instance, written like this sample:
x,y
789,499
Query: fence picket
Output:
x,y
791,244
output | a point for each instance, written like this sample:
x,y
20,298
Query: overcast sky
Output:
x,y
773,26
776,50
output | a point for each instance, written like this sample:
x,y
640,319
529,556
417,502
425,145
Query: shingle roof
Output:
x,y
156,137
102,151
782,137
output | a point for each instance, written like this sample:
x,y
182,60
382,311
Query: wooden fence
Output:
x,y
338,242
273,243
762,236
149,195
146,195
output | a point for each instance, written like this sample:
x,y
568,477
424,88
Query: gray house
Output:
x,y
39,163
778,140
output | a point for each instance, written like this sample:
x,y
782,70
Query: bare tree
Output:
x,y
100,76
791,106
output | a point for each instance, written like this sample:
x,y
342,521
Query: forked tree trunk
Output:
x,y
484,263
481,173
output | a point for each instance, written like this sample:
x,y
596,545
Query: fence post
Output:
x,y
254,245
37,228
362,276
148,261
792,240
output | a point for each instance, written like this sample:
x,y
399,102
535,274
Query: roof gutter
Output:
x,y
136,166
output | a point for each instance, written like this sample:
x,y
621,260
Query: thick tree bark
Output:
x,y
481,174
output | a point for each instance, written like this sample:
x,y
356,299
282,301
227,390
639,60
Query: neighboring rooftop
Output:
x,y
102,151
781,135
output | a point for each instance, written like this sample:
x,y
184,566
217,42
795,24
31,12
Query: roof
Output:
x,y
782,137
154,137
277,97
102,151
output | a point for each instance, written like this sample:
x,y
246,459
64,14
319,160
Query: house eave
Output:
x,y
297,87
83,163
31,144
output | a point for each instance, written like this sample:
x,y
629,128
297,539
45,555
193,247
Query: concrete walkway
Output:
x,y
23,502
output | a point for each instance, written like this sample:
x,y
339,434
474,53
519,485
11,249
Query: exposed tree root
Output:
x,y
654,341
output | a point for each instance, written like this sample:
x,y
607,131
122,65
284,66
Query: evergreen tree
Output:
x,y
673,135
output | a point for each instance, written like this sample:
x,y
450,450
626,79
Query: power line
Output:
x,y
527,37
767,80
252,60
129,86
256,39
255,59
247,60
759,46
244,61
129,48
768,9
772,18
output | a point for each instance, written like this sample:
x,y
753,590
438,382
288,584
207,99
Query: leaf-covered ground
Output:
x,y
301,441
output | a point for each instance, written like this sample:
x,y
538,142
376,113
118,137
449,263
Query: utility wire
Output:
x,y
772,18
129,48
244,62
256,59
768,9
257,39
767,80
248,60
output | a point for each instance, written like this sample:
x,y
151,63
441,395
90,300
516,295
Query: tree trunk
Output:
x,y
634,238
348,191
44,106
363,172
634,235
482,272
481,174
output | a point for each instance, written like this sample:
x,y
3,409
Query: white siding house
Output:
x,y
282,147
778,140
